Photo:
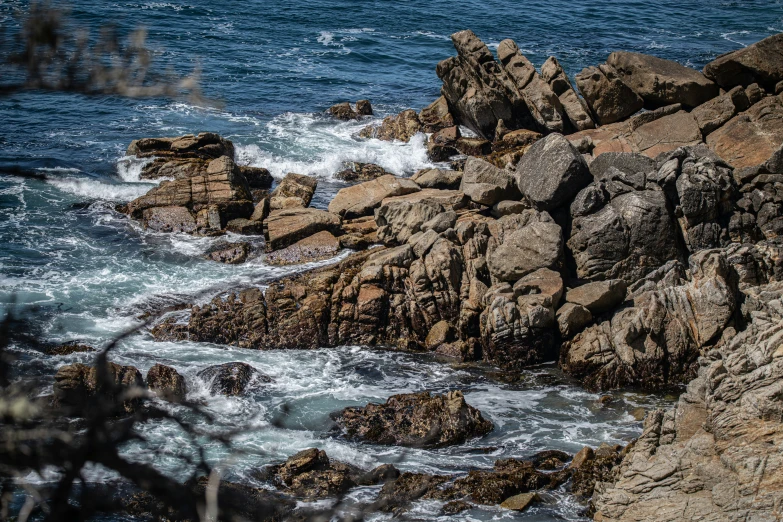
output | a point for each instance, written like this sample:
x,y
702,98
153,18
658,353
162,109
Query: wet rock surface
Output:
x,y
232,378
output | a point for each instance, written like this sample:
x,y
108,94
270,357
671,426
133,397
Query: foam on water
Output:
x,y
93,189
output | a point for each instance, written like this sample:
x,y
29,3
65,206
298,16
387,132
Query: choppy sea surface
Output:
x,y
86,272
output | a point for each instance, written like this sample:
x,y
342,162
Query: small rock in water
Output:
x,y
232,378
520,502
69,348
231,254
456,506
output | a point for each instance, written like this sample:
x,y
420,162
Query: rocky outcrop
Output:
x,y
415,420
356,171
436,116
285,227
656,341
179,157
401,127
295,190
76,386
715,454
360,200
662,82
574,107
166,383
609,99
486,184
234,378
760,63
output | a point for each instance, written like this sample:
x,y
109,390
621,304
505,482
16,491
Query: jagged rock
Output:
x,y
244,226
359,233
750,137
363,108
758,63
76,385
486,184
575,109
590,468
551,172
538,244
657,341
311,474
343,111
716,453
436,116
356,171
666,134
598,297
544,282
443,144
166,383
70,348
520,502
229,253
179,157
360,200
572,318
456,507
399,220
295,190
401,127
628,162
662,82
321,245
438,178
506,208
609,99
212,198
232,378
473,146
624,237
285,227
541,101
257,177
715,113
415,420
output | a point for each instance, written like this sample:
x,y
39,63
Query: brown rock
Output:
x,y
716,112
438,178
70,348
572,318
293,186
760,63
666,134
520,502
321,245
76,385
436,116
401,127
360,200
751,137
575,109
231,253
232,378
609,99
285,227
598,297
356,171
486,184
343,111
244,226
169,219
166,383
363,108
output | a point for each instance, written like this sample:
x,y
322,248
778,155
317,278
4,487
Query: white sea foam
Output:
x,y
129,168
90,188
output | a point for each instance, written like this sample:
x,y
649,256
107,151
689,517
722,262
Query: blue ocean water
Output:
x,y
274,67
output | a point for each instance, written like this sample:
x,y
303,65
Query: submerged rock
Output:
x,y
77,386
415,420
233,378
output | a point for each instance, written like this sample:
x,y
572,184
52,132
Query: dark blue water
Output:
x,y
273,67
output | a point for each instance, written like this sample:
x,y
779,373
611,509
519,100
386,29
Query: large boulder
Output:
x,y
750,137
360,200
575,109
551,172
666,134
662,82
77,386
657,341
714,455
760,63
608,97
295,190
285,227
233,378
538,244
715,113
181,156
166,383
415,420
486,184
398,220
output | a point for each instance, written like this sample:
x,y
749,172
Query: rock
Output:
x,y
572,318
436,116
180,157
449,199
401,127
758,63
507,207
624,237
478,91
261,210
473,146
590,468
441,333
229,253
363,108
443,144
575,109
455,507
543,282
212,198
343,111
233,378
70,348
642,118
536,245
257,177
76,386
440,223
242,502
399,220
509,149
656,342
520,502
609,99
541,101
600,296
415,420
628,162
321,245
438,178
486,184
244,227
715,113
754,93
359,233
360,200
666,134
166,383
551,172
662,82
356,171
296,186
699,458
285,227
750,137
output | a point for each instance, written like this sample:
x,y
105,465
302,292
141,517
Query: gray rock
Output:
x,y
486,184
628,162
507,207
608,97
552,172
441,222
536,245
399,220
234,378
438,178
575,109
760,63
598,297
360,200
572,318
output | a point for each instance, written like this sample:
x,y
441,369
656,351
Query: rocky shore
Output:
x,y
628,227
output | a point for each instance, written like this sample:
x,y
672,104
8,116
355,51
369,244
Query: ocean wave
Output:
x,y
90,188
129,169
